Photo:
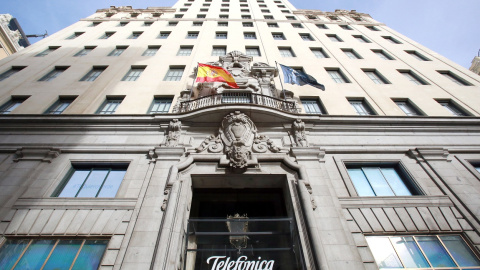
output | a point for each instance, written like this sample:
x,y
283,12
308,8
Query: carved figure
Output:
x,y
298,132
174,132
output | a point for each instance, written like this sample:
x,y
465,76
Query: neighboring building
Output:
x,y
476,65
109,157
12,37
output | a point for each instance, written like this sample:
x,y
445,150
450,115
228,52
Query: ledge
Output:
x,y
395,201
76,203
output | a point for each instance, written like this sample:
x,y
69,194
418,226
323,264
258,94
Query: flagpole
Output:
x,y
283,89
193,83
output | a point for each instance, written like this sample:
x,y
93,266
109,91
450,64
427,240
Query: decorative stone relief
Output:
x,y
238,139
174,132
298,133
36,154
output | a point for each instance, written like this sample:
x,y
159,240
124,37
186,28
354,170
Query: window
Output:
x,y
134,73
122,24
174,74
75,35
418,56
135,35
265,11
383,55
386,180
164,35
414,78
106,35
110,105
454,78
12,104
223,16
246,17
306,37
222,24
286,52
224,10
160,105
422,251
244,5
262,5
151,51
372,28
361,39
312,106
247,24
272,25
452,107
93,74
221,35
345,27
219,51
268,17
94,24
291,18
361,107
285,11
60,105
183,9
391,40
245,10
407,107
249,35
64,253
192,35
53,74
118,51
297,25
352,54
278,36
337,76
84,51
185,51
92,181
178,16
321,26
7,74
201,16
252,51
47,51
334,38
319,52
173,23
225,5
197,23
375,76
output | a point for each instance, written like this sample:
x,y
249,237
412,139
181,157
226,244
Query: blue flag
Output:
x,y
293,76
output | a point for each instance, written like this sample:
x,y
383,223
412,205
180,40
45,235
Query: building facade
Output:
x,y
12,37
111,157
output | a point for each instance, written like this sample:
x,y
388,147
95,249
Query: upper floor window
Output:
x,y
286,52
121,24
75,35
272,25
252,51
322,26
219,51
151,50
94,24
247,24
53,74
13,70
407,107
160,105
319,53
12,104
265,11
106,35
222,24
86,50
60,105
174,74
134,73
306,37
337,76
118,51
93,74
312,106
221,35
452,107
192,35
297,25
47,51
383,55
351,53
197,23
346,27
361,107
361,39
375,76
334,38
164,35
178,16
454,78
392,40
174,23
110,105
291,18
418,56
278,36
223,16
268,17
249,35
185,51
373,28
135,35
414,78
246,17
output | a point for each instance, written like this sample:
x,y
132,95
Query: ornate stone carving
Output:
x,y
174,132
298,133
36,154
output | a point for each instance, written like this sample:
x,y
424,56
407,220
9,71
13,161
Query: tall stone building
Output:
x,y
111,157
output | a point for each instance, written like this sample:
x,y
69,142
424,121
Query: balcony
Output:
x,y
237,98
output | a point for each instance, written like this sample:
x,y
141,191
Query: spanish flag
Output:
x,y
208,73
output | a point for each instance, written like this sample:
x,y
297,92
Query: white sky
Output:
x,y
449,28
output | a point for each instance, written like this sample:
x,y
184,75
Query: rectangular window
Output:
x,y
422,251
134,73
319,53
297,25
94,24
407,107
106,35
110,105
185,51
246,17
252,51
285,11
224,10
383,55
245,10
391,40
92,181
75,35
334,38
178,16
291,18
454,78
221,35
278,36
222,24
249,35
219,51
306,37
361,39
361,107
352,54
53,74
135,35
118,51
151,50
337,76
268,17
384,180
452,107
312,106
414,78
13,70
192,35
265,11
223,16
375,76
84,51
321,26
93,74
418,56
183,9
174,74
147,24
272,25
160,105
346,27
197,24
372,28
122,24
47,51
12,104
174,23
60,105
64,253
286,52
247,24
163,35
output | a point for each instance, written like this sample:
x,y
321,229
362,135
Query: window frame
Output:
x,y
170,70
454,78
407,107
133,74
256,48
451,106
307,101
216,48
385,56
351,52
151,48
168,100
11,72
117,101
53,74
341,76
93,73
282,49
10,105
118,51
376,76
185,51
366,109
58,107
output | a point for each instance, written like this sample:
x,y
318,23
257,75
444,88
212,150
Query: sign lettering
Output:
x,y
242,263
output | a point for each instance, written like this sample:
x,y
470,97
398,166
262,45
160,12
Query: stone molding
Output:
x,y
36,154
429,154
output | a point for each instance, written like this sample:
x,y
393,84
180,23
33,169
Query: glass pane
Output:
x,y
111,185
63,254
435,252
395,182
93,183
90,255
360,182
383,252
74,183
409,252
10,251
378,182
460,251
36,254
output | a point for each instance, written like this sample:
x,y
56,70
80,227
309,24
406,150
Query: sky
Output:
x,y
447,27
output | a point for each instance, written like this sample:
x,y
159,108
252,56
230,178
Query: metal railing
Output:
x,y
237,98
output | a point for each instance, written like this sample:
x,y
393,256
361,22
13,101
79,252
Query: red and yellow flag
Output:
x,y
208,73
